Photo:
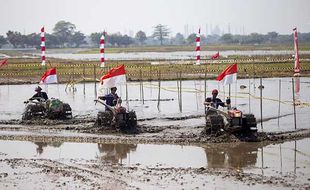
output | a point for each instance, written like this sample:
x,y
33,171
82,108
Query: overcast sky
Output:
x,y
130,16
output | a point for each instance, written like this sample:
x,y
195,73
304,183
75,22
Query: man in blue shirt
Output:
x,y
111,98
214,101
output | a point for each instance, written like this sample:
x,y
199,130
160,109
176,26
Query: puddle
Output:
x,y
291,156
180,55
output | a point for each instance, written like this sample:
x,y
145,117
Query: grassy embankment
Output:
x,y
30,70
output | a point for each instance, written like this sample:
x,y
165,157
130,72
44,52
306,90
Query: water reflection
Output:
x,y
41,145
237,155
115,153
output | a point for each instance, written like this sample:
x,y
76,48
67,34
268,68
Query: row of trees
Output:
x,y
65,35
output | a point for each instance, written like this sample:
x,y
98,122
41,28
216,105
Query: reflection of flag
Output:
x,y
3,62
229,75
297,63
215,56
42,46
49,76
198,48
115,76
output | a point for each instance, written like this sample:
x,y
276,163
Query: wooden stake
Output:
x,y
261,103
294,105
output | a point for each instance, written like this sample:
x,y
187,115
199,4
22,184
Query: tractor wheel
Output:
x,y
104,119
67,110
214,123
249,127
27,115
132,122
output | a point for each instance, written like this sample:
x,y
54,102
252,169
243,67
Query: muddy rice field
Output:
x,y
169,152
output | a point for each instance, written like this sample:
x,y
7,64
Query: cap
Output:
x,y
215,91
38,88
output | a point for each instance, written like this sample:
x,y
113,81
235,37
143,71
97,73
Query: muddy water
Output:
x,y
81,101
289,158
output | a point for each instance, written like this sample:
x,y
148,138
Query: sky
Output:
x,y
130,16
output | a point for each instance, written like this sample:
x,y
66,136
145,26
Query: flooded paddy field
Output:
x,y
63,165
179,55
170,153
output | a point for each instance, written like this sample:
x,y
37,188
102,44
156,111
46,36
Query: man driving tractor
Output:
x,y
111,98
39,93
216,102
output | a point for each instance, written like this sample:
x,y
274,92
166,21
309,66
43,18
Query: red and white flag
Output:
x,y
115,76
42,46
3,62
198,48
49,77
297,63
215,56
102,50
229,75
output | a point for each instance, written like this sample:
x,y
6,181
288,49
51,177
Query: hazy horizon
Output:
x,y
184,16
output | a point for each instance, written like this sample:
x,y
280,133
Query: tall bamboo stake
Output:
x,y
261,103
294,105
84,79
95,81
279,105
159,78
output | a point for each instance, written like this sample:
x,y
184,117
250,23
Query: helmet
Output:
x,y
215,91
38,89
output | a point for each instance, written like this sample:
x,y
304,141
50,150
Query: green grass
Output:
x,y
30,70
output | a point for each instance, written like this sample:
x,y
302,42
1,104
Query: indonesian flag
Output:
x,y
229,75
115,76
215,56
49,76
3,62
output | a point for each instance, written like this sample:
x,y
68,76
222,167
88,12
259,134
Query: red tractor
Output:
x,y
232,121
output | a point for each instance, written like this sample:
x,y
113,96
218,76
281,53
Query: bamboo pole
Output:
x,y
295,156
279,105
294,105
249,94
95,81
159,78
181,91
261,103
84,79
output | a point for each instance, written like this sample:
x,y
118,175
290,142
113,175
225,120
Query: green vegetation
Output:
x,y
30,70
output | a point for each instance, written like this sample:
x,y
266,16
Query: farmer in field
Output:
x,y
39,94
214,101
111,98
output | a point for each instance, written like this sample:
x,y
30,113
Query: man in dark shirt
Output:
x,y
214,101
39,94
111,98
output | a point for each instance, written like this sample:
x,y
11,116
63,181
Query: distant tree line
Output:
x,y
65,34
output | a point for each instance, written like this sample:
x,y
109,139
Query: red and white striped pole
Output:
x,y
42,46
297,63
198,48
102,50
